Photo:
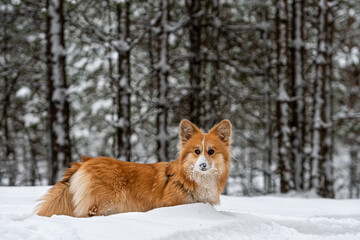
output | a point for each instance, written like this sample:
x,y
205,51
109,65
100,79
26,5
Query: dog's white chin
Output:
x,y
194,173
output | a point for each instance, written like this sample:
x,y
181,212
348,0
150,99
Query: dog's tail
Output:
x,y
58,200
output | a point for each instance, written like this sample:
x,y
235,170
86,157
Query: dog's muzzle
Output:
x,y
203,166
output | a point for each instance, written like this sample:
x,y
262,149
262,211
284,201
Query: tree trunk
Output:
x,y
123,85
195,15
33,169
60,147
322,170
267,101
283,97
162,72
8,160
328,143
214,96
354,178
298,105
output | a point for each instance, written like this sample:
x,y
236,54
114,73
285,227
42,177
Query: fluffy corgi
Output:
x,y
104,186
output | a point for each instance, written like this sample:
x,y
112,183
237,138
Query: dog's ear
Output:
x,y
222,130
187,130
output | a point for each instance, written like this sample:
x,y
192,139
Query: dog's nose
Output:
x,y
203,166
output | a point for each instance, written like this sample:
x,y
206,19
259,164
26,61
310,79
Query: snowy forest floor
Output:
x,y
235,218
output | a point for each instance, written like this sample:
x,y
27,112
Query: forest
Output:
x,y
115,78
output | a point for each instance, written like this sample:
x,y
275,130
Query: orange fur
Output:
x,y
58,200
104,186
85,158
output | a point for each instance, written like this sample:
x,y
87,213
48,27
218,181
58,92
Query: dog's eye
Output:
x,y
211,152
197,151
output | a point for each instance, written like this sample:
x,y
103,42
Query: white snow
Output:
x,y
236,218
121,45
119,1
101,104
23,92
31,119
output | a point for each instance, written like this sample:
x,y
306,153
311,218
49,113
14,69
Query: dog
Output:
x,y
105,186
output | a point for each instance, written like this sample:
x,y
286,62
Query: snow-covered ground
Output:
x,y
236,218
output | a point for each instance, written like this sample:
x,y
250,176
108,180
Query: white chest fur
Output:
x,y
207,186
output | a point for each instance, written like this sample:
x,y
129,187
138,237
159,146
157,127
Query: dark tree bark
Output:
x,y
327,112
123,128
354,183
283,99
9,158
162,72
214,96
194,8
32,163
322,169
267,101
59,111
298,104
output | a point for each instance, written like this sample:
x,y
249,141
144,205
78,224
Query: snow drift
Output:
x,y
236,218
